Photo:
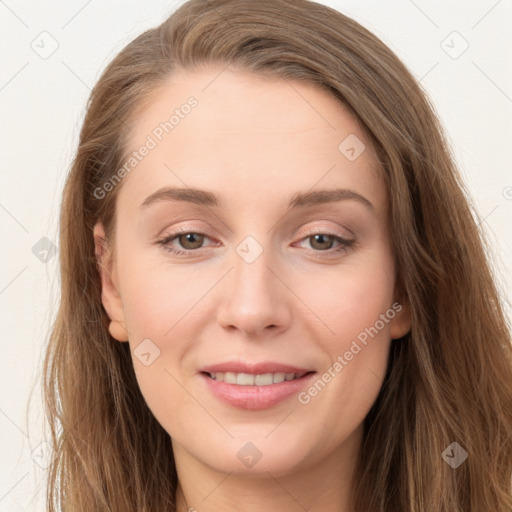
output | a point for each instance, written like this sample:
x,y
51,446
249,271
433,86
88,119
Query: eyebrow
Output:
x,y
298,200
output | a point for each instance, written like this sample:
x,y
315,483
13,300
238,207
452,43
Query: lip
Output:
x,y
254,368
255,397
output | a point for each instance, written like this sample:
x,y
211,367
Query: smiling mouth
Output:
x,y
248,379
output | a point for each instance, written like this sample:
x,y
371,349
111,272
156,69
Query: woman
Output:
x,y
258,369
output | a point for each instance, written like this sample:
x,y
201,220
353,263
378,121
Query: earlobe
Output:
x,y
402,322
117,331
110,296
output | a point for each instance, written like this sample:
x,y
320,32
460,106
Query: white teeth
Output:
x,y
247,379
263,380
278,377
230,377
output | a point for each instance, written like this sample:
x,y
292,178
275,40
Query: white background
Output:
x,y
42,105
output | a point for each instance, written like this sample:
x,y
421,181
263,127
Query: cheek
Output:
x,y
157,298
351,300
162,306
157,306
355,306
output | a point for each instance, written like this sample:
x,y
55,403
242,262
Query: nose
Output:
x,y
255,300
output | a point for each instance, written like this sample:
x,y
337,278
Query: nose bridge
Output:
x,y
253,297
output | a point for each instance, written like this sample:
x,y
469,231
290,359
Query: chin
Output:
x,y
255,455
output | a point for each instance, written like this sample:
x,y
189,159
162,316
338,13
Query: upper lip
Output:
x,y
254,368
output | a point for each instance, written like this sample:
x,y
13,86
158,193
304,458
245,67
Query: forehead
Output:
x,y
248,137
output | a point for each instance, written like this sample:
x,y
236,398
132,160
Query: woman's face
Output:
x,y
286,269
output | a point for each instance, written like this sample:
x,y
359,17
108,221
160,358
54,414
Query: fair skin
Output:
x,y
254,143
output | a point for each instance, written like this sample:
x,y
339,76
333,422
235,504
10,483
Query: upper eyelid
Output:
x,y
314,230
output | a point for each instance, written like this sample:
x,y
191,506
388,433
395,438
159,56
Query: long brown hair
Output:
x,y
448,380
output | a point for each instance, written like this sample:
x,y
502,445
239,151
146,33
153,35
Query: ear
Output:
x,y
401,324
109,289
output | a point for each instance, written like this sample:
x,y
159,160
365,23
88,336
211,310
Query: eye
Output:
x,y
191,241
188,240
323,242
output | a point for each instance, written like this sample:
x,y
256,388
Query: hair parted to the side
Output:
x,y
449,379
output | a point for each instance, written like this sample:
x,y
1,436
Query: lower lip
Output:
x,y
255,397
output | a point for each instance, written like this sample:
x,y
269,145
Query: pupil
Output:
x,y
322,239
191,238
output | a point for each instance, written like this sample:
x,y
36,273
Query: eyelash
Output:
x,y
164,242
